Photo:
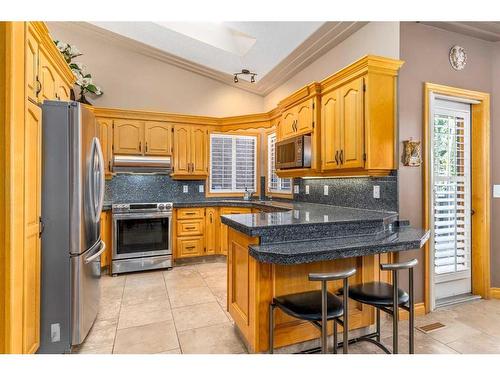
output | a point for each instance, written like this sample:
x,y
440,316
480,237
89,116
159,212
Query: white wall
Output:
x,y
132,80
375,38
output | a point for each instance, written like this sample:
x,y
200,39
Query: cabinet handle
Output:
x,y
341,156
189,213
190,247
190,228
296,125
140,146
337,157
109,166
210,219
146,146
38,86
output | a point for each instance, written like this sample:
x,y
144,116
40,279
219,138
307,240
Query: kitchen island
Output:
x,y
270,254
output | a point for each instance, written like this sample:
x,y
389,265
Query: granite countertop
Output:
x,y
307,251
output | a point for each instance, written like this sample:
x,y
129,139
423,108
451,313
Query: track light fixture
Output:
x,y
245,72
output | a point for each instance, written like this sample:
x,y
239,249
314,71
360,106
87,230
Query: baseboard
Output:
x,y
419,310
495,293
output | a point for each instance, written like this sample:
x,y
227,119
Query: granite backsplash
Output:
x,y
354,192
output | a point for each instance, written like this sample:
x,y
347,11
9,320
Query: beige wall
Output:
x,y
376,38
425,52
132,80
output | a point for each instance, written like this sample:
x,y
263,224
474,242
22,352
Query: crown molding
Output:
x,y
321,41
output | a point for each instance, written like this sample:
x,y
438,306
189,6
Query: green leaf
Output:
x,y
91,88
87,75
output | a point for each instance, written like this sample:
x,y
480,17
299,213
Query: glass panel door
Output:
x,y
142,236
451,199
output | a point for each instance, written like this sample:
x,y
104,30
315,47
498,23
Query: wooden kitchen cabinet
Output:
x,y
343,134
190,152
31,65
106,139
287,124
106,237
190,247
223,227
157,138
297,120
211,231
47,77
62,90
192,227
128,137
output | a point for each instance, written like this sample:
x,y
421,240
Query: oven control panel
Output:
x,y
142,207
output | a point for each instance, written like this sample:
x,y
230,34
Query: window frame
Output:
x,y
233,191
272,192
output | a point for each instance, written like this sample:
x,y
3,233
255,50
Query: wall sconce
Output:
x,y
412,153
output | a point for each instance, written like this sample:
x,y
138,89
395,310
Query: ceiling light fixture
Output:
x,y
245,72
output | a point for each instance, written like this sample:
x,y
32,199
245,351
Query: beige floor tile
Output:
x,y
218,281
142,314
221,296
173,351
105,323
107,349
112,281
141,295
187,281
212,269
453,331
98,338
219,339
108,309
190,296
112,293
196,316
476,344
151,338
179,272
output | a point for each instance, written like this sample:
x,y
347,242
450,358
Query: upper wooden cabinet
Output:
x,y
47,75
157,138
343,127
128,137
106,139
190,152
297,120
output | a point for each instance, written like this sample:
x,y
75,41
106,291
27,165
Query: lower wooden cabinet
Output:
x,y
190,246
223,228
212,242
107,237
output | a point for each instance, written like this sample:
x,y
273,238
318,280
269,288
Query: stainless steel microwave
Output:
x,y
294,152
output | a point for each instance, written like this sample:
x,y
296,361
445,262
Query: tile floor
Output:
x,y
184,311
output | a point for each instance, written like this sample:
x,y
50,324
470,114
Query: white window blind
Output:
x,y
275,184
232,163
451,180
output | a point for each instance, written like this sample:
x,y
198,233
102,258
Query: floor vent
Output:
x,y
431,327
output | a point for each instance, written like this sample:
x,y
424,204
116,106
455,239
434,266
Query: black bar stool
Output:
x,y
317,307
387,298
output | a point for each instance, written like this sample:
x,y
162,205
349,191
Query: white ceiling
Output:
x,y
226,47
489,31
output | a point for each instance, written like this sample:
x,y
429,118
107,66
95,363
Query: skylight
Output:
x,y
214,34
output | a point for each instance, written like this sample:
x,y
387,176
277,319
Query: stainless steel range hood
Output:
x,y
142,164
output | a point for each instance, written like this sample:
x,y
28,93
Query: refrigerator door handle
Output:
x,y
96,255
101,178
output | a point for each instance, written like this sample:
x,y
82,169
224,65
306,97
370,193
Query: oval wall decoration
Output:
x,y
458,57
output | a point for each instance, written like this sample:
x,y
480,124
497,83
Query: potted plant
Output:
x,y
83,79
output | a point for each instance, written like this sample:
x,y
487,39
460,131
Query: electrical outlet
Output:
x,y
307,189
296,214
296,189
307,215
55,332
201,188
325,190
185,189
496,191
325,218
376,191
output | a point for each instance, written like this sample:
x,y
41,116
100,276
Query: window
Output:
x,y
233,163
275,184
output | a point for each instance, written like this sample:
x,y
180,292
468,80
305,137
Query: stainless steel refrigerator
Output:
x,y
72,200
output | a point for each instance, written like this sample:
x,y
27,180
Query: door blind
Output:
x,y
451,179
233,163
275,183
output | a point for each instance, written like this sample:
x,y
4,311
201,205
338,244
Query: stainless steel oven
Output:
x,y
294,152
142,237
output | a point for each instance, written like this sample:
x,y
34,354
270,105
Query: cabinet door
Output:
x,y
211,230
128,137
62,90
106,237
304,117
198,150
32,212
191,228
352,124
106,138
157,136
330,122
223,227
182,149
47,76
287,125
31,68
189,246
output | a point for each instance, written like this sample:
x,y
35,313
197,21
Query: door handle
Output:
x,y
41,226
337,157
140,146
96,255
341,156
146,146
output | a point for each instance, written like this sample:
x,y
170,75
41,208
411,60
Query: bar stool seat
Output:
x,y
307,305
377,293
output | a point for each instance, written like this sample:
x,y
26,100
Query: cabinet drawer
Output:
x,y
189,247
190,213
235,210
190,227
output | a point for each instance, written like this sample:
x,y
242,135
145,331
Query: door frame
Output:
x,y
480,185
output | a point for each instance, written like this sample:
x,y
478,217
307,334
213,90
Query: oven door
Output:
x,y
143,235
